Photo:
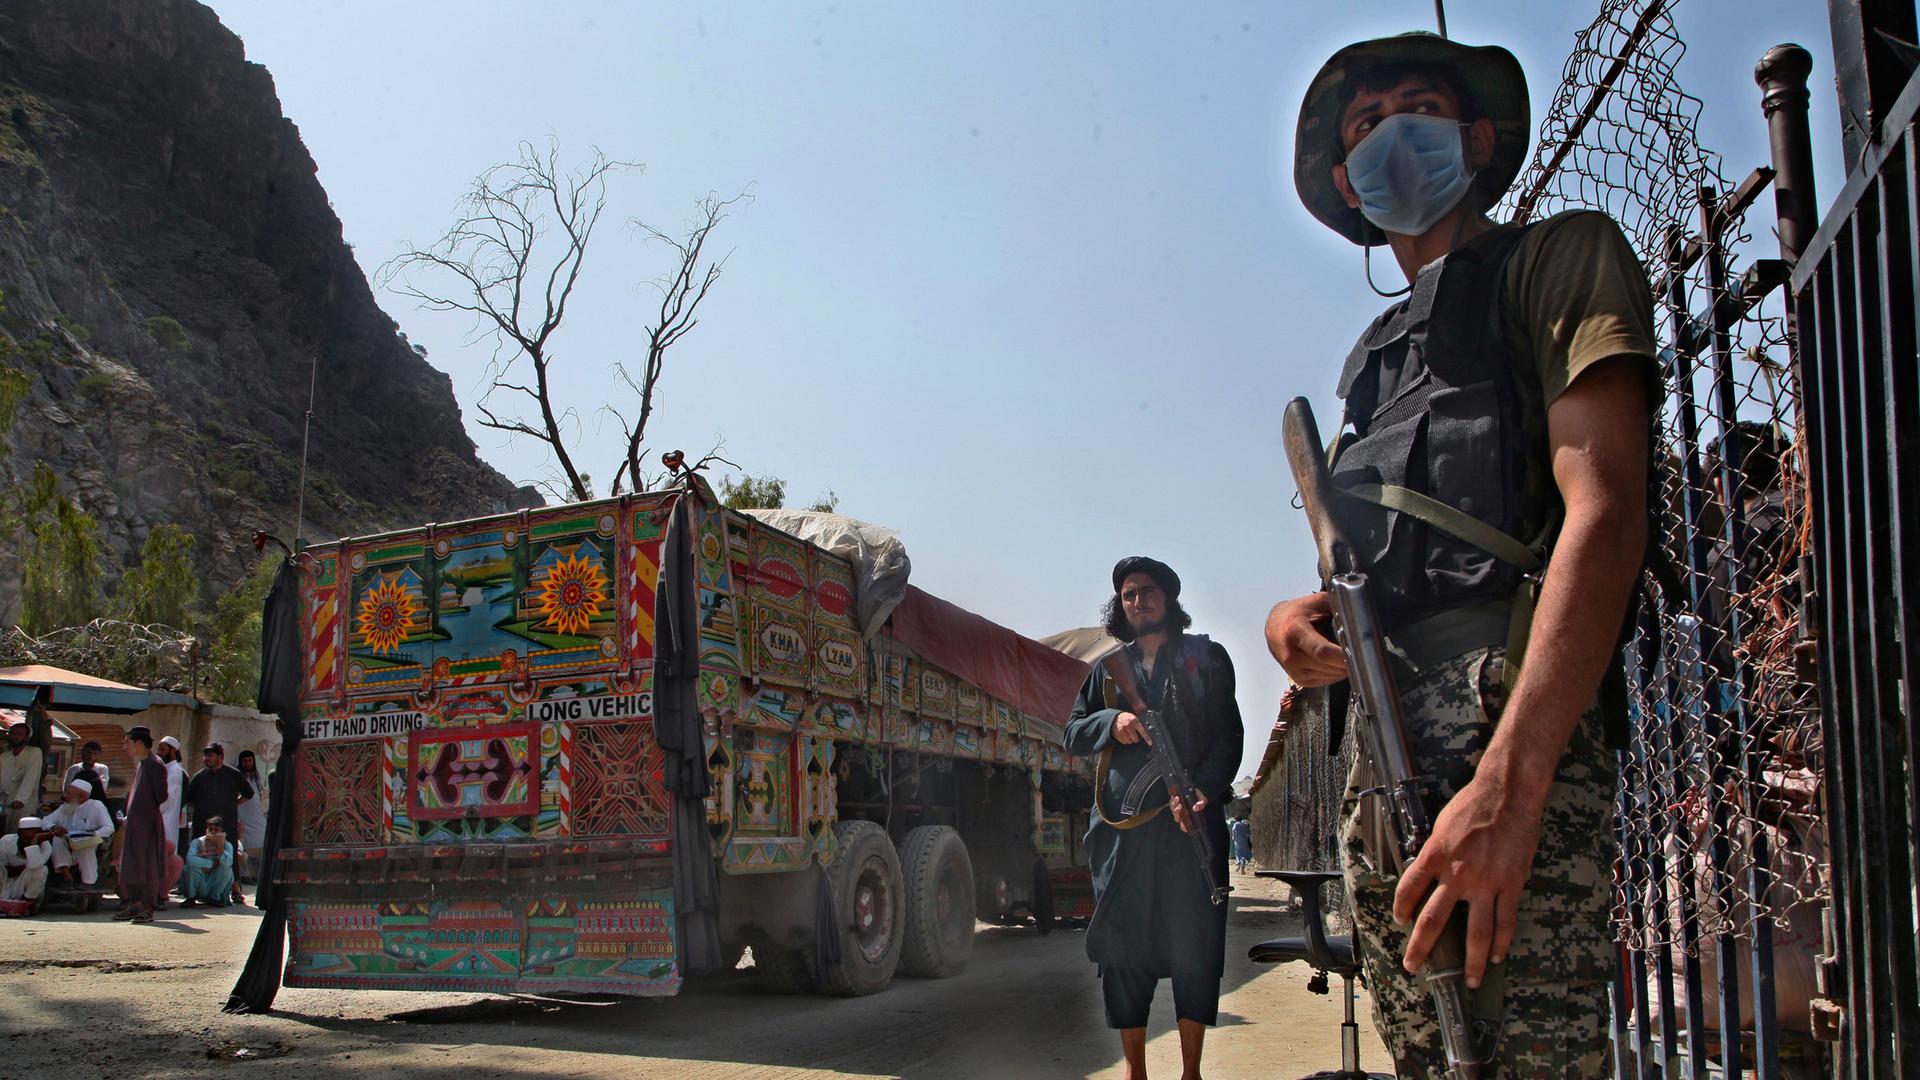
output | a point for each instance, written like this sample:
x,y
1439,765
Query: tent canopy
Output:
x,y
1087,644
69,690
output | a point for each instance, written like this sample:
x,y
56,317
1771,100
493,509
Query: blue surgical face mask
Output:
x,y
1409,171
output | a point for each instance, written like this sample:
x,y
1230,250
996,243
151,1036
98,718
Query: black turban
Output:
x,y
1160,572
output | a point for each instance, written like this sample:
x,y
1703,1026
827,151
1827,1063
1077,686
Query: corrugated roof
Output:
x,y
69,690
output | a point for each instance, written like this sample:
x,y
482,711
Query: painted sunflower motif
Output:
x,y
571,593
388,614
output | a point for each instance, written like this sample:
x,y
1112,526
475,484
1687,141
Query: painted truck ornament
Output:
x,y
483,803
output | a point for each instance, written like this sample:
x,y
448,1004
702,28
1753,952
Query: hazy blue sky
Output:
x,y
1026,282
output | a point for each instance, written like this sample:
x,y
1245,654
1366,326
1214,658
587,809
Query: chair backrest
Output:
x,y
1306,885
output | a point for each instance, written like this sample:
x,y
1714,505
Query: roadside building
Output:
x,y
79,707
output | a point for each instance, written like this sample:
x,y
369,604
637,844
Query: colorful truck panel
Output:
x,y
481,801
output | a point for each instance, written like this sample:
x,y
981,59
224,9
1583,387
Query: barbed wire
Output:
x,y
150,655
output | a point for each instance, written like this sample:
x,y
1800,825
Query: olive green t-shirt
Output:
x,y
1575,296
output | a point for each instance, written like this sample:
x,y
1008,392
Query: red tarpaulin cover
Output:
x,y
1013,668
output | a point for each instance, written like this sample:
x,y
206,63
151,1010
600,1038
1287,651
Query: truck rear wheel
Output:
x,y
865,878
1042,897
939,903
783,971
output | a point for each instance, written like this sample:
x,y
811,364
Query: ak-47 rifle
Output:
x,y
1382,728
1162,764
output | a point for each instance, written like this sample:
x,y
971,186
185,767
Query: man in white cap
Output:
x,y
76,829
24,854
169,751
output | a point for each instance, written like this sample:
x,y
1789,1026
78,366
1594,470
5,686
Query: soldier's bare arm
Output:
x,y
1485,838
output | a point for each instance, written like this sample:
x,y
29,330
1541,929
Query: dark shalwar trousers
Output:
x,y
1129,996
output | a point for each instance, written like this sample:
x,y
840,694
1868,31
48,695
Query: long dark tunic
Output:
x,y
143,850
1150,897
217,792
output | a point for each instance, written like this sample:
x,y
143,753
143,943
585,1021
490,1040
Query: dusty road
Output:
x,y
72,989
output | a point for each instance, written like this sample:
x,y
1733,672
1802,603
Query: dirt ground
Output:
x,y
82,995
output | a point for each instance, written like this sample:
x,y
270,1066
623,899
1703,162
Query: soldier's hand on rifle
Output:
x,y
1128,729
1187,817
1480,854
1295,639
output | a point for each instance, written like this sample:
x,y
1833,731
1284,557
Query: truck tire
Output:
x,y
865,878
783,971
939,903
1042,898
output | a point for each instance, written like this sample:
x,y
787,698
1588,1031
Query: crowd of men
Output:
x,y
172,832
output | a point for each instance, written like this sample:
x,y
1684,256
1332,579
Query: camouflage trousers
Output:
x,y
1549,998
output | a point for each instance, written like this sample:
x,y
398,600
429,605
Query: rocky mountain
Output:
x,y
172,272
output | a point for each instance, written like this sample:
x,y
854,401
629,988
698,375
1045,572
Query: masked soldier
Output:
x,y
1492,476
1153,917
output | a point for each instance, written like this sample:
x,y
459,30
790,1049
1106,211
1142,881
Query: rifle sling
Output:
x,y
1134,822
1122,687
1531,559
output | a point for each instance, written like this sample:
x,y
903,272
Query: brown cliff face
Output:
x,y
164,236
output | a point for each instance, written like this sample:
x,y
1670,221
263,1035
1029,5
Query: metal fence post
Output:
x,y
1696,682
1782,73
1868,69
1735,537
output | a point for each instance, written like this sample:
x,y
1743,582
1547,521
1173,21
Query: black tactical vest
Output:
x,y
1437,404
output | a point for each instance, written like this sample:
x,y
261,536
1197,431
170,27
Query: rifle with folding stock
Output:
x,y
1381,729
1163,764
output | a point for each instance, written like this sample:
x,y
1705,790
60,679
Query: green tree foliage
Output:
x,y
58,543
826,504
754,493
231,636
13,384
13,391
59,555
162,587
168,332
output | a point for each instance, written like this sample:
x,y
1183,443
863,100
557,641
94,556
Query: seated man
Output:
x,y
210,867
90,765
24,855
77,829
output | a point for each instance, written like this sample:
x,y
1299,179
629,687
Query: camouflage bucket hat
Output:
x,y
1492,77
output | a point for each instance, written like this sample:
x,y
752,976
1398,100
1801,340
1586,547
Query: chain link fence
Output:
x,y
1723,856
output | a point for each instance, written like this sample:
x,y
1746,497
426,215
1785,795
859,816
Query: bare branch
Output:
x,y
511,260
682,290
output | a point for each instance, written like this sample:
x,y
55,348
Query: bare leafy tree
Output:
x,y
512,258
681,291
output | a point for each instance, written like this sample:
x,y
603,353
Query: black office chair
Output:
x,y
1326,955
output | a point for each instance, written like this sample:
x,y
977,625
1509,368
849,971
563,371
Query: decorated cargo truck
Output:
x,y
606,746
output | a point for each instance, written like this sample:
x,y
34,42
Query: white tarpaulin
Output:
x,y
880,563
1088,644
